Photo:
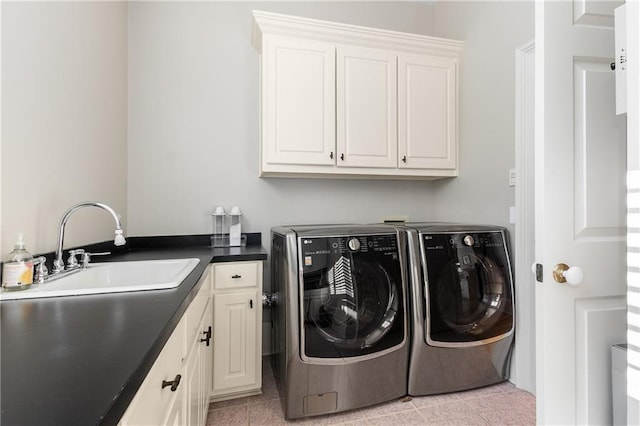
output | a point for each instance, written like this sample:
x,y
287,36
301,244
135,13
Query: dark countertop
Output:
x,y
80,360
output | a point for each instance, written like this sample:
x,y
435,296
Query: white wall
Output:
x,y
491,32
194,120
64,118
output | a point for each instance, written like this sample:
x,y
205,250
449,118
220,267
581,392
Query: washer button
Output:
x,y
354,244
468,240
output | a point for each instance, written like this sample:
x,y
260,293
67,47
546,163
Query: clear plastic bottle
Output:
x,y
17,270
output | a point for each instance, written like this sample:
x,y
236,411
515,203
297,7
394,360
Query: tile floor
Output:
x,y
501,404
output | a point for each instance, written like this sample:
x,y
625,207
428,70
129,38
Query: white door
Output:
x,y
580,211
366,96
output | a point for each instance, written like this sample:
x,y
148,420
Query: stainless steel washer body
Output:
x,y
340,335
462,307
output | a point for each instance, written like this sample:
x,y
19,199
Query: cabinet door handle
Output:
x,y
331,155
207,336
342,157
404,158
173,383
250,303
236,276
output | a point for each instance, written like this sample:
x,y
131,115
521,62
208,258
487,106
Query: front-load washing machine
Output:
x,y
340,335
462,307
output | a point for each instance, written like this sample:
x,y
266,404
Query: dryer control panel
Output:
x,y
460,240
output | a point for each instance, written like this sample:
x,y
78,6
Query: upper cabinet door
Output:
x,y
366,107
427,112
298,102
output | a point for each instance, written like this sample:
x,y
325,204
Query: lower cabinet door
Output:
x,y
176,415
194,397
235,347
206,361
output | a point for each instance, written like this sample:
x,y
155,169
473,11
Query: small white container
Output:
x,y
235,227
219,216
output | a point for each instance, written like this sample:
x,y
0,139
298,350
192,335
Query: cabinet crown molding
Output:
x,y
315,29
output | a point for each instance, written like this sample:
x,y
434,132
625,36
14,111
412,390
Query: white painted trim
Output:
x,y
1,248
315,29
539,201
524,363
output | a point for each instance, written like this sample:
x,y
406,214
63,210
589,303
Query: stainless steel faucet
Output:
x,y
119,240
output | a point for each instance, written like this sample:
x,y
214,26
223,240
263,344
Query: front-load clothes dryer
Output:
x,y
462,307
340,334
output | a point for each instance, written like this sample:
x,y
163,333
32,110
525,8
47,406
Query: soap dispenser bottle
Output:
x,y
17,270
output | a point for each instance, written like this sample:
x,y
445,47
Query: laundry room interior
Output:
x,y
155,108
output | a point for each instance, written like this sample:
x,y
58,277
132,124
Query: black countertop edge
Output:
x,y
218,254
129,389
138,248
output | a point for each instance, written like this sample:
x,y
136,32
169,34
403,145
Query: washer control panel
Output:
x,y
342,245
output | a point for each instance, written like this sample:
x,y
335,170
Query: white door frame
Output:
x,y
633,165
523,372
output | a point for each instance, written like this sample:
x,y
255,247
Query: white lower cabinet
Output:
x,y
176,389
237,335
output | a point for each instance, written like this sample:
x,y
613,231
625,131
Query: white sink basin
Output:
x,y
113,277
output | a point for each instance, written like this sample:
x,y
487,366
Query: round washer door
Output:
x,y
469,295
357,306
352,301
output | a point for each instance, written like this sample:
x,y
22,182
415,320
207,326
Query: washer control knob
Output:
x,y
354,244
468,240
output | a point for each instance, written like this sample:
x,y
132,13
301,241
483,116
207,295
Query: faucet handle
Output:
x,y
41,269
72,262
86,257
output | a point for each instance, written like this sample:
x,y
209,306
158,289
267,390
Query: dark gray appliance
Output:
x,y
340,335
462,307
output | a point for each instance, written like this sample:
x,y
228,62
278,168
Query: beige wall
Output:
x,y
64,118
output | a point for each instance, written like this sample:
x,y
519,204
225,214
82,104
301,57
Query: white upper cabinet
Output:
x,y
427,128
340,100
366,108
298,101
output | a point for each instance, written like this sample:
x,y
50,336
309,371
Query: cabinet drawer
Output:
x,y
235,275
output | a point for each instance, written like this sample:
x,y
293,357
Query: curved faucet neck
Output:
x,y
58,263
